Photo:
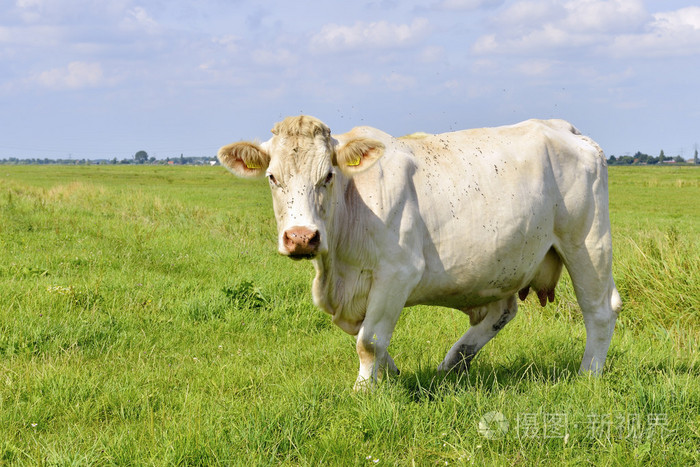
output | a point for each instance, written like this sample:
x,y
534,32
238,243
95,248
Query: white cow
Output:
x,y
464,220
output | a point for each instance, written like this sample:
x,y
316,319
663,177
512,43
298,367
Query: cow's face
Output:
x,y
302,163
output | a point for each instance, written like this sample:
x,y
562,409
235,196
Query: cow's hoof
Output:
x,y
391,369
446,368
364,385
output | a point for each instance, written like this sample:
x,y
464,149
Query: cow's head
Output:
x,y
302,162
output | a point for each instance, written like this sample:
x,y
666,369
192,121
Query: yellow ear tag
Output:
x,y
252,166
355,162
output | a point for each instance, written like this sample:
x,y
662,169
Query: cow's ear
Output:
x,y
357,155
244,159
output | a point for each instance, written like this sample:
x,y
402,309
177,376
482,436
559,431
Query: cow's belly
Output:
x,y
486,259
475,283
462,293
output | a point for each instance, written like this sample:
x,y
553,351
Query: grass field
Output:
x,y
145,318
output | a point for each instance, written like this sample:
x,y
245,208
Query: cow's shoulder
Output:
x,y
397,154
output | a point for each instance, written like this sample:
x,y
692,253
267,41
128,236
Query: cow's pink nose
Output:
x,y
301,242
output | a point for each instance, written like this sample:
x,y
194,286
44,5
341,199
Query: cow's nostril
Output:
x,y
315,239
301,242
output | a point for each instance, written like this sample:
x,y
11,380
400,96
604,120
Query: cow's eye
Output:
x,y
329,178
272,179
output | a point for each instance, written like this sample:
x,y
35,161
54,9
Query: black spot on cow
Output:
x,y
466,353
502,320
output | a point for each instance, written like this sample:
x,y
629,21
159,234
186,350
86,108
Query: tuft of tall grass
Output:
x,y
658,276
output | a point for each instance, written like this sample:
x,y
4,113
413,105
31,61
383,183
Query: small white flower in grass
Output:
x,y
368,457
34,425
375,460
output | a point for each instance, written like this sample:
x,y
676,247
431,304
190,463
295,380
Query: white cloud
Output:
x,y
362,35
138,18
620,28
539,26
604,16
685,18
574,15
75,75
547,37
672,33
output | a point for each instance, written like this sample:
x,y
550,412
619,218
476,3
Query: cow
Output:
x,y
467,220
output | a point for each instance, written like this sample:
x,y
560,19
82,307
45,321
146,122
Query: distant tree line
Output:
x,y
141,157
639,158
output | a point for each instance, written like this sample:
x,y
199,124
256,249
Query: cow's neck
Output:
x,y
343,274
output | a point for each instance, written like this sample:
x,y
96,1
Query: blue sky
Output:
x,y
104,79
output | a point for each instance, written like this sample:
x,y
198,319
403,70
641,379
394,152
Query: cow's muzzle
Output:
x,y
301,242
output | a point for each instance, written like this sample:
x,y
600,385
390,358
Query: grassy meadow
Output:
x,y
146,318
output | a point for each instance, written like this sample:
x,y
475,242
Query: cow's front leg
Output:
x,y
384,305
493,317
391,286
372,343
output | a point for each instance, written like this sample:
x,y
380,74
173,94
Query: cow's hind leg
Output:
x,y
486,322
600,304
590,268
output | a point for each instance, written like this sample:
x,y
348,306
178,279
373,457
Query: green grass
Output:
x,y
145,318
